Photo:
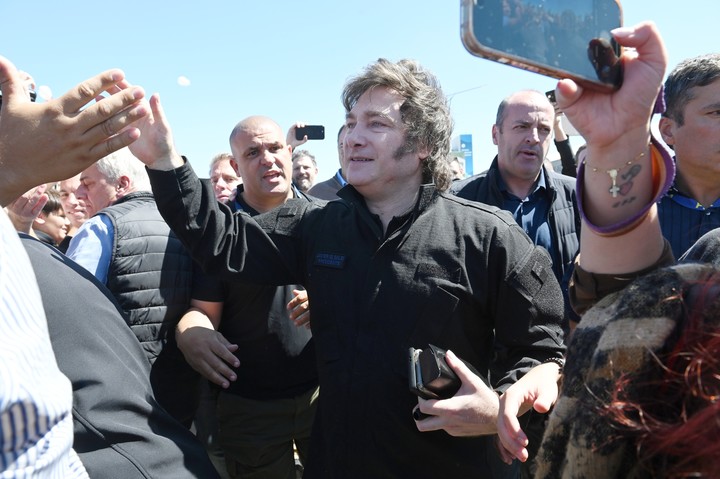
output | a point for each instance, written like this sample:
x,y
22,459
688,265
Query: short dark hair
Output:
x,y
690,73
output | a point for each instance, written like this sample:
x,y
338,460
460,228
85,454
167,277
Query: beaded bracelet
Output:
x,y
663,173
559,361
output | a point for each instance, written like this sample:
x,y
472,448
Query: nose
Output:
x,y
354,137
267,158
533,136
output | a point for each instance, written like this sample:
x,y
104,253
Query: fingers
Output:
x,y
82,94
513,439
466,376
648,46
567,93
505,455
10,82
299,308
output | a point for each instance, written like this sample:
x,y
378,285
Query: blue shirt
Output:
x,y
339,178
531,213
91,247
683,220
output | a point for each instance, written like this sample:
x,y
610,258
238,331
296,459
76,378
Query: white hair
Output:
x,y
124,163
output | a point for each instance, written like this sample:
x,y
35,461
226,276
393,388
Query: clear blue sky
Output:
x,y
287,59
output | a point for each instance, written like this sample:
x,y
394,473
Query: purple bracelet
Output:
x,y
666,176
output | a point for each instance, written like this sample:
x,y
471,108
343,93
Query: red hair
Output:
x,y
672,410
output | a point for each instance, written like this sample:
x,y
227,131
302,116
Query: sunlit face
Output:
x,y
95,191
373,150
73,207
524,138
456,170
224,180
304,172
55,225
263,159
697,141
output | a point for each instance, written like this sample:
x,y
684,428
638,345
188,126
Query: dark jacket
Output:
x,y
150,275
150,272
120,430
326,190
563,216
453,273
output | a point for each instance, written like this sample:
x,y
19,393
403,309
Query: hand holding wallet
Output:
x,y
430,376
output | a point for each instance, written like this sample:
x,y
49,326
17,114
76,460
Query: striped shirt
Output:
x,y
36,426
683,220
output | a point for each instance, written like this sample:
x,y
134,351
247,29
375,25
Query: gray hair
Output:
x,y
425,111
690,73
303,154
124,163
217,159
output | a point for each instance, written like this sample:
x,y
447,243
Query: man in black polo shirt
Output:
x,y
241,337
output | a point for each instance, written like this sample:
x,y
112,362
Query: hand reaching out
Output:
x,y
51,141
538,389
23,211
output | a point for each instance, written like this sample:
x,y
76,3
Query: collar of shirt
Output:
x,y
339,178
540,186
684,200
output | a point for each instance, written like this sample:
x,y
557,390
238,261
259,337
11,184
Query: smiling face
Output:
x,y
304,172
263,161
377,164
523,139
54,224
74,208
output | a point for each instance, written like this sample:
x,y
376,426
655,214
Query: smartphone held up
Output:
x,y
557,38
313,132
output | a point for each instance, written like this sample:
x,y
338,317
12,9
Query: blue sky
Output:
x,y
287,59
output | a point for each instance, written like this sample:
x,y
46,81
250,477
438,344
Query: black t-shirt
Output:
x,y
277,358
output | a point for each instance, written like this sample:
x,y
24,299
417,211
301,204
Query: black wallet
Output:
x,y
430,375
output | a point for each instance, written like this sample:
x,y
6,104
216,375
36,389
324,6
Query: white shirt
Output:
x,y
36,425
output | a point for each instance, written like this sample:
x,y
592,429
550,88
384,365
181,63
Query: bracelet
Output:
x,y
559,361
663,173
613,172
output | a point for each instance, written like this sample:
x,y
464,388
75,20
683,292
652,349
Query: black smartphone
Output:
x,y
560,39
550,94
313,132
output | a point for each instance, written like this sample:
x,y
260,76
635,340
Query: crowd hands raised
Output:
x,y
45,142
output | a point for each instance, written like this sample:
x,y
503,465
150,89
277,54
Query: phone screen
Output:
x,y
559,38
313,132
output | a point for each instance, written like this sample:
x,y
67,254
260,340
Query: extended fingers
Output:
x,y
10,82
82,94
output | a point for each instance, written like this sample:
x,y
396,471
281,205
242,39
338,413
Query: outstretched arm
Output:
x,y
51,141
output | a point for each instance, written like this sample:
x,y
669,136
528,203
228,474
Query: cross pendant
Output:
x,y
614,189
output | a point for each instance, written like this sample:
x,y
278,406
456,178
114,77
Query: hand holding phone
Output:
x,y
560,40
313,132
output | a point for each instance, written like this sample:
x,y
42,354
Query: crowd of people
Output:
x,y
257,323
